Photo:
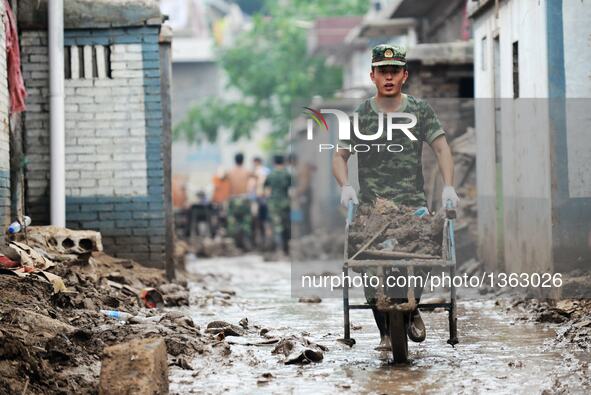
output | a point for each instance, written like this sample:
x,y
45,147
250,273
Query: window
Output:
x,y
516,69
483,52
87,62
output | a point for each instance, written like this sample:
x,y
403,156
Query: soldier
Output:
x,y
239,212
277,187
397,176
261,219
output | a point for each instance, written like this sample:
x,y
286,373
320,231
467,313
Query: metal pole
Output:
x,y
166,93
56,107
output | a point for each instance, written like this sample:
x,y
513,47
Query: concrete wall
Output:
x,y
192,81
445,22
545,147
114,169
524,137
4,133
570,90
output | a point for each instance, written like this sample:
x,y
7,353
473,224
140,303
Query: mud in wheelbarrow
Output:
x,y
398,309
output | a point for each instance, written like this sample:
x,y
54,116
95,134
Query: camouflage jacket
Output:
x,y
279,181
394,175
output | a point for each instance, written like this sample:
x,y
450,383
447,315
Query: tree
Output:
x,y
271,69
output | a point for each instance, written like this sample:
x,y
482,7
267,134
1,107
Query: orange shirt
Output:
x,y
179,193
221,189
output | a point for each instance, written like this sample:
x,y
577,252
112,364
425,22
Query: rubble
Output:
x,y
319,246
174,294
62,241
138,367
216,327
310,299
214,247
53,331
396,229
299,350
571,316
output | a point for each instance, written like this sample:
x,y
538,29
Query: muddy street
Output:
x,y
498,351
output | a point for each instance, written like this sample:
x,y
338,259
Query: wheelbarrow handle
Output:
x,y
450,211
350,212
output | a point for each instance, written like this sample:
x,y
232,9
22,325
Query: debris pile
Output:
x,y
299,350
572,315
390,229
317,247
64,301
213,247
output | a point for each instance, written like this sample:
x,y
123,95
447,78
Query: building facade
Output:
x,y
115,137
533,149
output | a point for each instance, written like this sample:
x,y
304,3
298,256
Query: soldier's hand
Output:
x,y
347,194
449,195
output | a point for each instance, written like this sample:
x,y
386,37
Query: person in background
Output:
x,y
239,210
238,176
179,192
221,187
302,173
219,199
261,172
261,229
277,187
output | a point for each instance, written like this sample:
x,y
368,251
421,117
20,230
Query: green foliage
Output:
x,y
270,67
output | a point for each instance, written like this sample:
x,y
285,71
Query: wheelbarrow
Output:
x,y
399,310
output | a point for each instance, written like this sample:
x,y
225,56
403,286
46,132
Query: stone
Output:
x,y
137,367
58,240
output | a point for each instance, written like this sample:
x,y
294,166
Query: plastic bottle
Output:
x,y
16,227
118,315
134,319
422,212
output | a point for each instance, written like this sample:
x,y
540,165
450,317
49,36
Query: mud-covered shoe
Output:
x,y
416,328
385,344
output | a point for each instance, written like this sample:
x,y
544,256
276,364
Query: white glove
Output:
x,y
348,193
449,194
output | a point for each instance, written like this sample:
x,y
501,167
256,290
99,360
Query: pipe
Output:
x,y
56,112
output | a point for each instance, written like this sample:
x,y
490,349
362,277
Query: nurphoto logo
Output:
x,y
393,123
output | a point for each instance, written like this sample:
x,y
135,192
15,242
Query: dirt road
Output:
x,y
497,352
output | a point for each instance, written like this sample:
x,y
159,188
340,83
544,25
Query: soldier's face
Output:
x,y
389,79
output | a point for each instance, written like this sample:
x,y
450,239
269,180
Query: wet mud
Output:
x,y
397,229
499,351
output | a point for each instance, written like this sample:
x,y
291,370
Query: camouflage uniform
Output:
x,y
240,220
397,176
279,181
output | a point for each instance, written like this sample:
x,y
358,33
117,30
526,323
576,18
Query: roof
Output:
x,y
410,8
383,27
328,34
83,14
459,52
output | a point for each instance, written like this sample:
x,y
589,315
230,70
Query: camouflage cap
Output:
x,y
385,54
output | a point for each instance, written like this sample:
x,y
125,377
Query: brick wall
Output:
x,y
441,86
4,133
114,171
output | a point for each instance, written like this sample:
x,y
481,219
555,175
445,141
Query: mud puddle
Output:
x,y
497,353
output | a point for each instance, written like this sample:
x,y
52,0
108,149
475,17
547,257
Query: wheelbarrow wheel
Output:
x,y
398,337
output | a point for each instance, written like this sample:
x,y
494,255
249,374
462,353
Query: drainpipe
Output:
x,y
56,112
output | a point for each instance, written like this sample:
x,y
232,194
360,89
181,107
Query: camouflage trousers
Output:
x,y
279,211
239,217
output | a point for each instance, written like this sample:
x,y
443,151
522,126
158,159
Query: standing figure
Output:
x,y
277,186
